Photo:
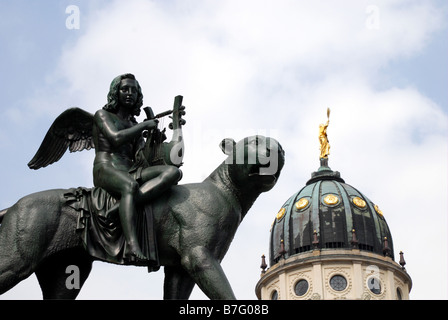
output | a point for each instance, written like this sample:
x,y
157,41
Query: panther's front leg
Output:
x,y
178,285
206,271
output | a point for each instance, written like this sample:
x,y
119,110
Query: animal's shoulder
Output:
x,y
201,204
197,193
195,200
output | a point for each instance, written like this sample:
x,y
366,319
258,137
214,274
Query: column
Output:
x,y
390,294
283,286
318,281
358,280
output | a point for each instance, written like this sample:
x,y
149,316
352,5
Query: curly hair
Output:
x,y
112,96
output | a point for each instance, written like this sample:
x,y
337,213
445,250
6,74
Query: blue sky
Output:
x,y
249,67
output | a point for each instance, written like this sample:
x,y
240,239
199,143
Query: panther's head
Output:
x,y
254,162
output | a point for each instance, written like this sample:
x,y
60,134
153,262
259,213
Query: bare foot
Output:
x,y
135,254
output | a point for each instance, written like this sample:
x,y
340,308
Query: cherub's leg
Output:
x,y
156,180
128,212
120,182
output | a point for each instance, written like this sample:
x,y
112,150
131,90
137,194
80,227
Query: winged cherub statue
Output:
x,y
118,141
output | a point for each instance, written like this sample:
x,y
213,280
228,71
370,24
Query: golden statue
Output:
x,y
323,139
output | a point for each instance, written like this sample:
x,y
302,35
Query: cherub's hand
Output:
x,y
151,124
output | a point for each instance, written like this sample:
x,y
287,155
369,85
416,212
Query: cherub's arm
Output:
x,y
118,137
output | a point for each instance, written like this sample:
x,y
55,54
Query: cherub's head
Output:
x,y
112,96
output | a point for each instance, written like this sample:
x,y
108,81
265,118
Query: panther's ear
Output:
x,y
227,145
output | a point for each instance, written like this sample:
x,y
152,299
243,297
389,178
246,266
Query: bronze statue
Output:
x,y
136,214
323,139
118,140
194,226
117,137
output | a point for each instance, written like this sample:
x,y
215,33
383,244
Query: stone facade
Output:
x,y
335,274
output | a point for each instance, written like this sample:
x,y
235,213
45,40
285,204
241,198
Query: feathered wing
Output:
x,y
71,130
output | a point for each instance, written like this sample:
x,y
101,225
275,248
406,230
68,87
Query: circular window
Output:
x,y
374,285
274,295
338,283
301,287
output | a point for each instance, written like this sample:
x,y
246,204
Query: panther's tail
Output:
x,y
2,214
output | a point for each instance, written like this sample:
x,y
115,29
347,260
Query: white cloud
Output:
x,y
275,66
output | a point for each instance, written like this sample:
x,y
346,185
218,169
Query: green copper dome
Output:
x,y
328,214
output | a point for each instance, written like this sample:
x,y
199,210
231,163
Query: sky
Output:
x,y
244,68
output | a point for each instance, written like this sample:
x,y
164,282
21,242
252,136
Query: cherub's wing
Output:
x,y
72,130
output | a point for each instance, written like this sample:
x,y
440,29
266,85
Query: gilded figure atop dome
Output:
x,y
323,139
